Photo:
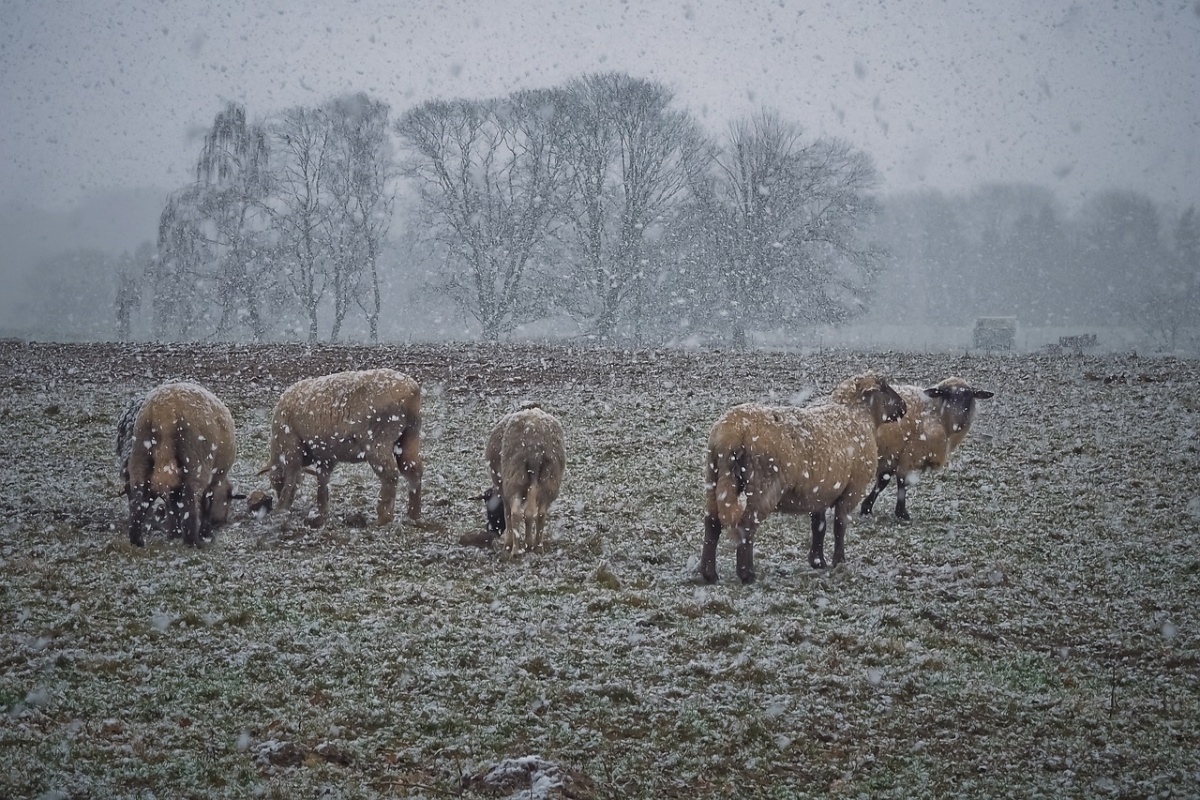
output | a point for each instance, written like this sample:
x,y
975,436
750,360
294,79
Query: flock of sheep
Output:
x,y
176,447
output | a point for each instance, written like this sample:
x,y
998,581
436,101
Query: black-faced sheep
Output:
x,y
368,415
937,421
793,460
177,443
526,456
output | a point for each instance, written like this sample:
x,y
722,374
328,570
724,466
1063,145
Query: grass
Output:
x,y
1031,633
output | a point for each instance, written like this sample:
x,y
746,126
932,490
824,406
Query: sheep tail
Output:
x,y
164,473
729,470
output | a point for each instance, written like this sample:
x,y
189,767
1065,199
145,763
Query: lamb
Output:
x,y
526,457
793,460
938,420
367,415
177,443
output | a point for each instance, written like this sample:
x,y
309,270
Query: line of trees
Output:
x,y
601,203
1011,249
601,208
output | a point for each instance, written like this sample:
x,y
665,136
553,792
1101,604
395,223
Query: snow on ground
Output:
x,y
1032,633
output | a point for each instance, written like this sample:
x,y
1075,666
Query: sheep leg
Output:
x,y
533,515
816,549
206,515
408,459
140,503
841,519
389,478
901,500
514,517
539,525
175,511
189,514
287,485
708,553
530,528
880,484
324,472
745,547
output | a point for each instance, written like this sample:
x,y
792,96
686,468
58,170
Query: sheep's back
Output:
x,y
337,411
201,425
526,442
805,457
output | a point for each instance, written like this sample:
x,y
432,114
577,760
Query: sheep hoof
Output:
x,y
904,515
816,562
747,577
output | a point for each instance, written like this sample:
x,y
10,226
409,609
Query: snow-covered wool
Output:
x,y
793,460
526,456
937,421
369,415
125,437
181,447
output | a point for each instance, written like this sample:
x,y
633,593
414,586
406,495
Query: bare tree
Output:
x,y
299,209
233,173
632,158
783,225
210,232
361,185
179,275
489,176
130,269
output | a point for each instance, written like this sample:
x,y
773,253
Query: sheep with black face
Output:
x,y
936,424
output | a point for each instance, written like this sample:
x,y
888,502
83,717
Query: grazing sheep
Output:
x,y
937,422
177,444
369,415
794,460
526,457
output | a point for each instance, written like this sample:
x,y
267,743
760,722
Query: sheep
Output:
x,y
793,460
369,415
177,443
526,457
938,420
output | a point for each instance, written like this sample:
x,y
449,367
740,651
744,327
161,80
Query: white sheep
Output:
x,y
526,457
177,443
937,421
793,460
368,415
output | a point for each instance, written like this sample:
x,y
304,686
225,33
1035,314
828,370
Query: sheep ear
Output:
x,y
982,394
935,391
264,470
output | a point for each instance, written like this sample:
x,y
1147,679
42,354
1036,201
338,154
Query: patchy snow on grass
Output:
x,y
1032,633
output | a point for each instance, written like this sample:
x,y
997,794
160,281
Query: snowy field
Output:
x,y
1034,632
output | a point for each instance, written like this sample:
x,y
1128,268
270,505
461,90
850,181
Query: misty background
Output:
x,y
656,173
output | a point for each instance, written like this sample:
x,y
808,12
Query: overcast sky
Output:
x,y
1076,96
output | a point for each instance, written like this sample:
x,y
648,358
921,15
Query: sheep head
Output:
x,y
958,401
874,393
494,505
956,389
